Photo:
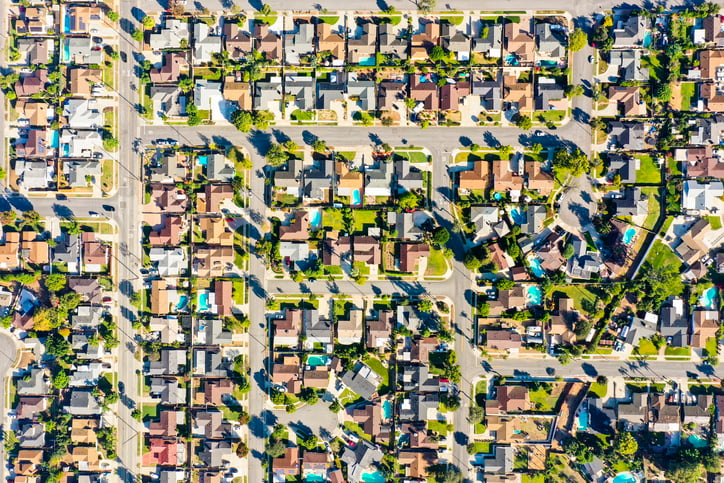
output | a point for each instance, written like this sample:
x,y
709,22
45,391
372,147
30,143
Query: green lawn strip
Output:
x,y
662,256
356,429
688,92
481,447
149,412
439,427
412,156
543,401
238,289
715,222
436,264
107,175
329,19
348,397
646,348
711,349
363,219
649,171
549,116
677,351
333,219
654,195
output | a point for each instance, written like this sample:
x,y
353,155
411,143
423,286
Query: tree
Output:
x,y
265,9
524,122
262,119
577,40
242,450
310,442
663,92
575,162
275,448
148,22
319,146
504,284
55,282
625,444
110,143
472,261
505,150
409,200
536,148
568,251
276,155
113,16
476,414
440,235
573,91
31,217
137,35
426,6
60,380
242,120
176,7
437,54
186,84
424,306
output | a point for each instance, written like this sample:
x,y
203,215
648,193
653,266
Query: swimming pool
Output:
x,y
368,61
55,140
312,478
315,361
66,23
387,409
648,39
518,216
66,52
549,63
708,299
66,150
583,418
316,219
510,59
697,442
203,160
182,302
498,196
535,267
534,295
375,477
203,300
628,236
356,198
625,477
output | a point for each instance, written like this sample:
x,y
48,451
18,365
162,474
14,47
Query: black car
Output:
x,y
109,208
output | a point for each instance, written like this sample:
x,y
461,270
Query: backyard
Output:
x,y
661,256
649,171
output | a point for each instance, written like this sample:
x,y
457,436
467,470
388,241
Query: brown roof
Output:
x,y
701,163
170,68
425,92
713,95
497,256
83,430
348,179
82,79
713,29
711,62
238,42
317,378
364,46
420,348
519,40
35,112
166,425
410,254
215,231
503,339
212,261
628,98
30,406
298,230
389,92
286,369
424,42
267,42
290,325
94,252
82,18
369,417
239,92
214,391
168,198
476,178
450,95
416,463
215,194
287,463
509,399
334,246
223,291
170,234
706,325
33,20
379,329
159,297
367,249
518,92
329,41
313,461
32,84
503,177
539,180
33,250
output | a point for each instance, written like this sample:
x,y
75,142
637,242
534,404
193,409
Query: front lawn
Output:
x,y
678,351
649,171
550,116
412,156
436,264
661,256
646,348
480,447
439,427
599,390
715,222
712,346
543,401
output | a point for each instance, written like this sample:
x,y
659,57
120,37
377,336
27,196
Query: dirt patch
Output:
x,y
675,101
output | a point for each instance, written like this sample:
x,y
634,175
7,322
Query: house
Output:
x,y
298,43
360,458
84,430
330,44
451,93
562,322
628,136
633,202
168,101
36,144
503,340
519,41
674,325
624,166
489,90
632,32
477,178
392,45
165,330
700,196
34,250
549,95
210,362
9,251
173,35
212,261
218,169
330,93
707,131
417,378
238,92
537,179
35,385
416,463
367,250
509,399
484,218
628,100
81,144
361,49
504,177
584,263
34,83
378,178
361,380
286,371
170,234
349,329
389,93
27,463
212,332
267,42
96,255
218,392
425,93
216,231
422,43
167,425
490,42
236,42
210,425
663,417
81,80
315,463
408,177
167,391
551,40
89,288
289,178
35,20
298,229
378,333
172,362
83,19
699,413
34,113
171,65
317,181
693,243
301,88
701,162
705,325
629,63
82,173
163,452
410,255
641,329
419,407
82,402
67,251
501,462
288,464
512,298
518,94
316,329
288,329
208,96
712,65
454,40
30,407
406,225
296,255
83,114
213,196
205,44
35,51
82,50
361,93
168,198
349,183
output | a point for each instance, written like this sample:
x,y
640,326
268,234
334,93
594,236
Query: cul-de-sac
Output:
x,y
381,241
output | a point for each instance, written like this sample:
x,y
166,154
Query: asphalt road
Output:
x,y
8,355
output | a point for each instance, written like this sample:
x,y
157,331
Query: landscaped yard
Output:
x,y
543,400
439,427
654,195
107,175
678,351
579,293
550,116
481,447
376,365
662,256
355,428
715,222
413,156
238,290
599,389
712,346
436,264
688,93
333,219
649,171
364,219
348,397
646,348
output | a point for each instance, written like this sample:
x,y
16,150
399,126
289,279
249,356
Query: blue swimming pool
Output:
x,y
315,361
66,23
368,61
66,52
697,442
510,59
583,418
535,267
498,196
625,477
708,299
356,198
517,215
648,40
204,302
387,409
549,63
316,220
375,477
182,302
55,140
203,160
312,478
534,295
66,150
628,236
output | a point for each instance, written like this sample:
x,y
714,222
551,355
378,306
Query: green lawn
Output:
x,y
678,351
299,115
646,348
333,219
654,195
674,167
481,447
543,401
376,365
107,175
599,389
348,397
357,429
550,116
149,412
413,156
688,94
439,427
715,222
238,290
534,478
363,219
436,264
712,346
579,294
330,20
663,256
348,155
649,171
